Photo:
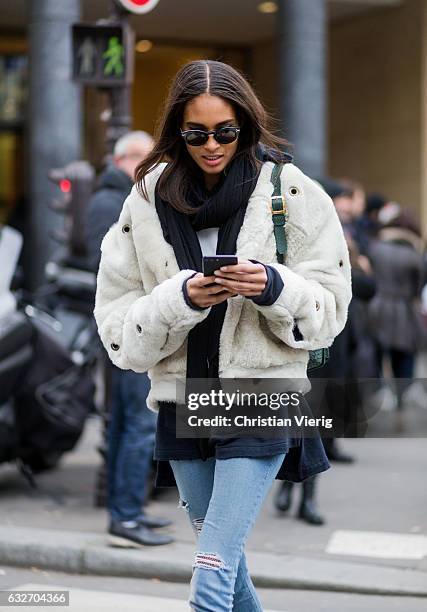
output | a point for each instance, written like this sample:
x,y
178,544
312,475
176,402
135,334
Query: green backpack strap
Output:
x,y
279,213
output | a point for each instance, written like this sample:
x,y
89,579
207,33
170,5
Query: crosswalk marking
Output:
x,y
377,544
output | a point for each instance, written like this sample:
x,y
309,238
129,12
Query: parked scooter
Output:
x,y
16,351
48,352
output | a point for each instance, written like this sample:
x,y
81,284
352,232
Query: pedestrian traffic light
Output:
x,y
75,182
103,54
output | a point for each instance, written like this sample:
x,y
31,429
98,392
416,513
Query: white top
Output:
x,y
208,239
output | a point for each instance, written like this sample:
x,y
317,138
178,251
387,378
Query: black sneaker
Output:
x,y
153,521
135,536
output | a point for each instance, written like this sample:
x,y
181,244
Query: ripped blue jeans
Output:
x,y
223,498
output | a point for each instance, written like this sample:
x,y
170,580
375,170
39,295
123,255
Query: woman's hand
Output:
x,y
245,278
203,295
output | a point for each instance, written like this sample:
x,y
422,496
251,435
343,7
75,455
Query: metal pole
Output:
x,y
55,119
119,123
302,38
120,120
120,97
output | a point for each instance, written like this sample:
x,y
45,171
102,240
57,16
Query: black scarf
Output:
x,y
223,207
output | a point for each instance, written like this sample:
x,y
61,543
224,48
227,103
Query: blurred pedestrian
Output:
x,y
357,195
114,184
368,222
342,195
155,309
351,356
361,345
307,509
394,313
131,425
339,364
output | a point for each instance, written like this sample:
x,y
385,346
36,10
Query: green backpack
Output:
x,y
280,215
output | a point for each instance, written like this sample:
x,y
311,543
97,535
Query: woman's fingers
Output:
x,y
242,287
200,281
201,288
222,297
245,278
249,278
244,273
212,300
212,290
239,285
243,267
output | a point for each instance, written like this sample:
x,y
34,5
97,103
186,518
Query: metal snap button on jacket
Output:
x,y
126,229
114,346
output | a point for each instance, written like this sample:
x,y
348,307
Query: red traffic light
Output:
x,y
65,185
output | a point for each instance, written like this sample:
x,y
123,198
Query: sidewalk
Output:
x,y
58,528
86,553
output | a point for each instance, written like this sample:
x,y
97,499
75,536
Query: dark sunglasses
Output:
x,y
223,135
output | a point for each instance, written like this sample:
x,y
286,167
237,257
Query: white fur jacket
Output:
x,y
143,319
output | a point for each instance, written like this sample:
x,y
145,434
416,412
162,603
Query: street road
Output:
x,y
92,593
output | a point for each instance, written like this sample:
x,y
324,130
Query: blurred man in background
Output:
x,y
132,425
114,186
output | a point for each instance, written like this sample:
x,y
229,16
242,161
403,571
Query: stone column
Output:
x,y
55,118
302,38
423,123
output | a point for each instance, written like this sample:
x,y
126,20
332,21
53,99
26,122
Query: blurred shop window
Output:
x,y
13,100
8,174
13,87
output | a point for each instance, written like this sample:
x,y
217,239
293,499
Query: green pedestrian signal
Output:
x,y
114,55
103,54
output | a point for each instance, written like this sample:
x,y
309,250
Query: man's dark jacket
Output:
x,y
104,209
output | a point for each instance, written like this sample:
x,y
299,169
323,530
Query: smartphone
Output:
x,y
215,262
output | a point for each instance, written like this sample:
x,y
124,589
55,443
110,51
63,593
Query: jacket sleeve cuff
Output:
x,y
308,315
170,307
298,313
273,287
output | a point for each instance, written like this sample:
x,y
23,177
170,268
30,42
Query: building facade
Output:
x,y
355,70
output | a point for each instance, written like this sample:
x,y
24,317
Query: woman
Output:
x,y
157,312
394,313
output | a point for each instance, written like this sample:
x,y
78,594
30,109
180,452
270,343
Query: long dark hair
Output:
x,y
194,79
